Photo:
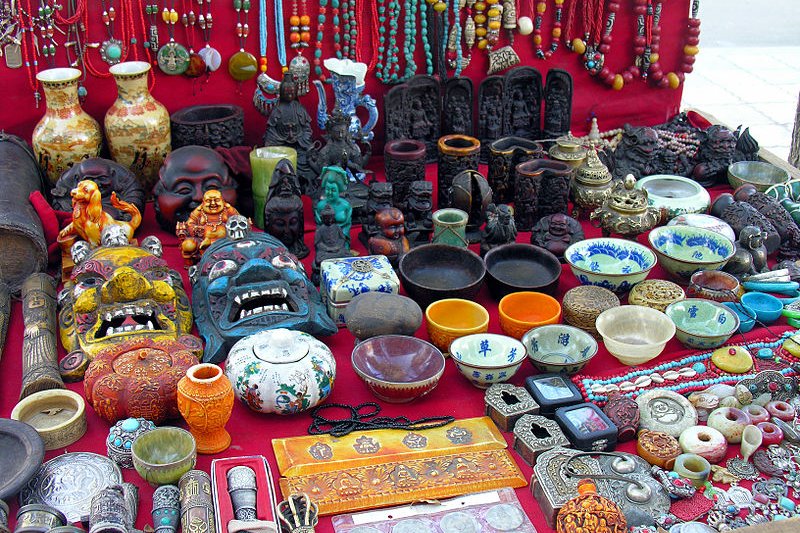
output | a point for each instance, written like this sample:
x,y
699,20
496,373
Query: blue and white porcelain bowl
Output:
x,y
558,348
614,264
487,358
702,324
683,250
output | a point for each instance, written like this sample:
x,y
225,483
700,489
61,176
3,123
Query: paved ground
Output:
x,y
748,69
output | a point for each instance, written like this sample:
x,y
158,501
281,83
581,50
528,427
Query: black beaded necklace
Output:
x,y
360,421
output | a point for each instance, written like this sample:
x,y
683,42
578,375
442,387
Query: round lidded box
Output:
x,y
656,293
582,305
121,437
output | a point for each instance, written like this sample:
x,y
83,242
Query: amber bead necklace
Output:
x,y
173,57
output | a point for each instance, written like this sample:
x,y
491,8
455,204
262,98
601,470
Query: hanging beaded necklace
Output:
x,y
47,28
299,38
690,50
426,45
112,49
389,71
280,37
242,65
151,10
173,58
323,8
350,30
75,9
410,41
197,66
29,58
211,56
555,32
454,50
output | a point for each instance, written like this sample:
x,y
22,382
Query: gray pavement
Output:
x,y
748,69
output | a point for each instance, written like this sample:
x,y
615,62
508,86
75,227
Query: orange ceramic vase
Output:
x,y
205,400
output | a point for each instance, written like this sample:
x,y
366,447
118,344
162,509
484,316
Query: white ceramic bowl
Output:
x,y
634,334
487,358
675,195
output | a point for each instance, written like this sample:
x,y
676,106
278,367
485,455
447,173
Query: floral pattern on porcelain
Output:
x,y
348,83
613,264
281,371
683,250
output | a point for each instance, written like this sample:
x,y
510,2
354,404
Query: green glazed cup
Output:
x,y
163,455
450,227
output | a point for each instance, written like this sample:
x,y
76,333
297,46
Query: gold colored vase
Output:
x,y
137,125
66,134
205,400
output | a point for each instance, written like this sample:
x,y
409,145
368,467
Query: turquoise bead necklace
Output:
x,y
350,28
321,17
280,35
410,41
426,45
391,67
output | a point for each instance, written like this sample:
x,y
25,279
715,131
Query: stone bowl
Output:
x,y
452,318
398,368
634,334
746,314
522,311
683,250
702,324
58,415
487,358
23,452
163,455
759,174
674,195
516,267
437,271
614,264
768,308
557,348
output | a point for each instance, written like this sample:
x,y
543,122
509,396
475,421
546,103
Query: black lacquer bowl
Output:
x,y
436,271
519,267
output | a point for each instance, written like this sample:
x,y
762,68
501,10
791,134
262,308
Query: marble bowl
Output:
x,y
437,271
522,311
634,334
518,267
398,368
614,264
452,318
702,324
558,348
746,314
163,455
759,174
683,250
768,308
487,358
675,195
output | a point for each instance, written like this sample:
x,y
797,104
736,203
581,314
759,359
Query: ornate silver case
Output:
x,y
534,434
505,404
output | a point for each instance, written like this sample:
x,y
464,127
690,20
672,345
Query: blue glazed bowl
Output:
x,y
683,250
746,314
487,358
557,348
614,264
767,307
702,324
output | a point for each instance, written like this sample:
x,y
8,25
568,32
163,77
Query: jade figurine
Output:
x,y
334,184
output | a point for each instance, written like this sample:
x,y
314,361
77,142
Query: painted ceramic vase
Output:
x,y
137,126
281,371
205,400
66,134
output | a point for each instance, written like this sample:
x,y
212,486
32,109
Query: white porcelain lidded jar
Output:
x,y
281,371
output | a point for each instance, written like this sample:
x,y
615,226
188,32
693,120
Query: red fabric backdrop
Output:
x,y
638,103
252,432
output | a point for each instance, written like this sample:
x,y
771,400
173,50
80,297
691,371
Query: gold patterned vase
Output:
x,y
66,134
137,125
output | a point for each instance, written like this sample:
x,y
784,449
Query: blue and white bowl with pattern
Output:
x,y
683,250
558,348
702,324
487,358
614,264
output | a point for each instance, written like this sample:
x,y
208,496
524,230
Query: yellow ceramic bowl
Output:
x,y
522,311
453,318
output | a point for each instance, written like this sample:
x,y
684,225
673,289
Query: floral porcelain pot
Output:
x,y
614,264
281,371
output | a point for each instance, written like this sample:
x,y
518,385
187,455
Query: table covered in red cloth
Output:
x,y
252,432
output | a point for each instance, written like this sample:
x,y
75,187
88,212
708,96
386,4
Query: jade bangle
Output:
x,y
692,467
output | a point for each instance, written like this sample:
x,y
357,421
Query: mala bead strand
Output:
x,y
323,9
673,80
555,33
541,8
494,15
480,24
410,40
337,36
426,45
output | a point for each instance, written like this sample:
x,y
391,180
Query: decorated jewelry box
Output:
x,y
344,279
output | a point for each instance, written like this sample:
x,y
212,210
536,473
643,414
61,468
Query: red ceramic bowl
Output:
x,y
397,368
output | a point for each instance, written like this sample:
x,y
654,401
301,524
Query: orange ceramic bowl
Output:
x,y
452,318
522,311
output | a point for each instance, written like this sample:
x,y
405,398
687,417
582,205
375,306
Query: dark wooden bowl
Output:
x,y
516,267
23,451
436,271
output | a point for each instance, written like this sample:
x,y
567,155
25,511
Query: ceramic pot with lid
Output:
x,y
281,371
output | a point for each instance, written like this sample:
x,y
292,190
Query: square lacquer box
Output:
x,y
552,391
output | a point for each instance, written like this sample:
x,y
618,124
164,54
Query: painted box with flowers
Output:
x,y
344,279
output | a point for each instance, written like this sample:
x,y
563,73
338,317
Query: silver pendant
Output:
x,y
301,69
13,54
739,496
741,468
111,51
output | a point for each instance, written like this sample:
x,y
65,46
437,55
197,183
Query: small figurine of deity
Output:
x,y
556,232
340,149
751,254
500,228
418,211
283,212
380,198
329,241
334,184
290,125
392,241
205,225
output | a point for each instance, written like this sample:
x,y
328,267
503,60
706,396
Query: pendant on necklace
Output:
x,y
242,66
593,60
152,37
211,57
301,69
111,51
173,59
13,54
197,67
502,59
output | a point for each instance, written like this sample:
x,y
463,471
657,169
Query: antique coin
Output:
x,y
666,411
412,526
504,517
459,522
70,481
